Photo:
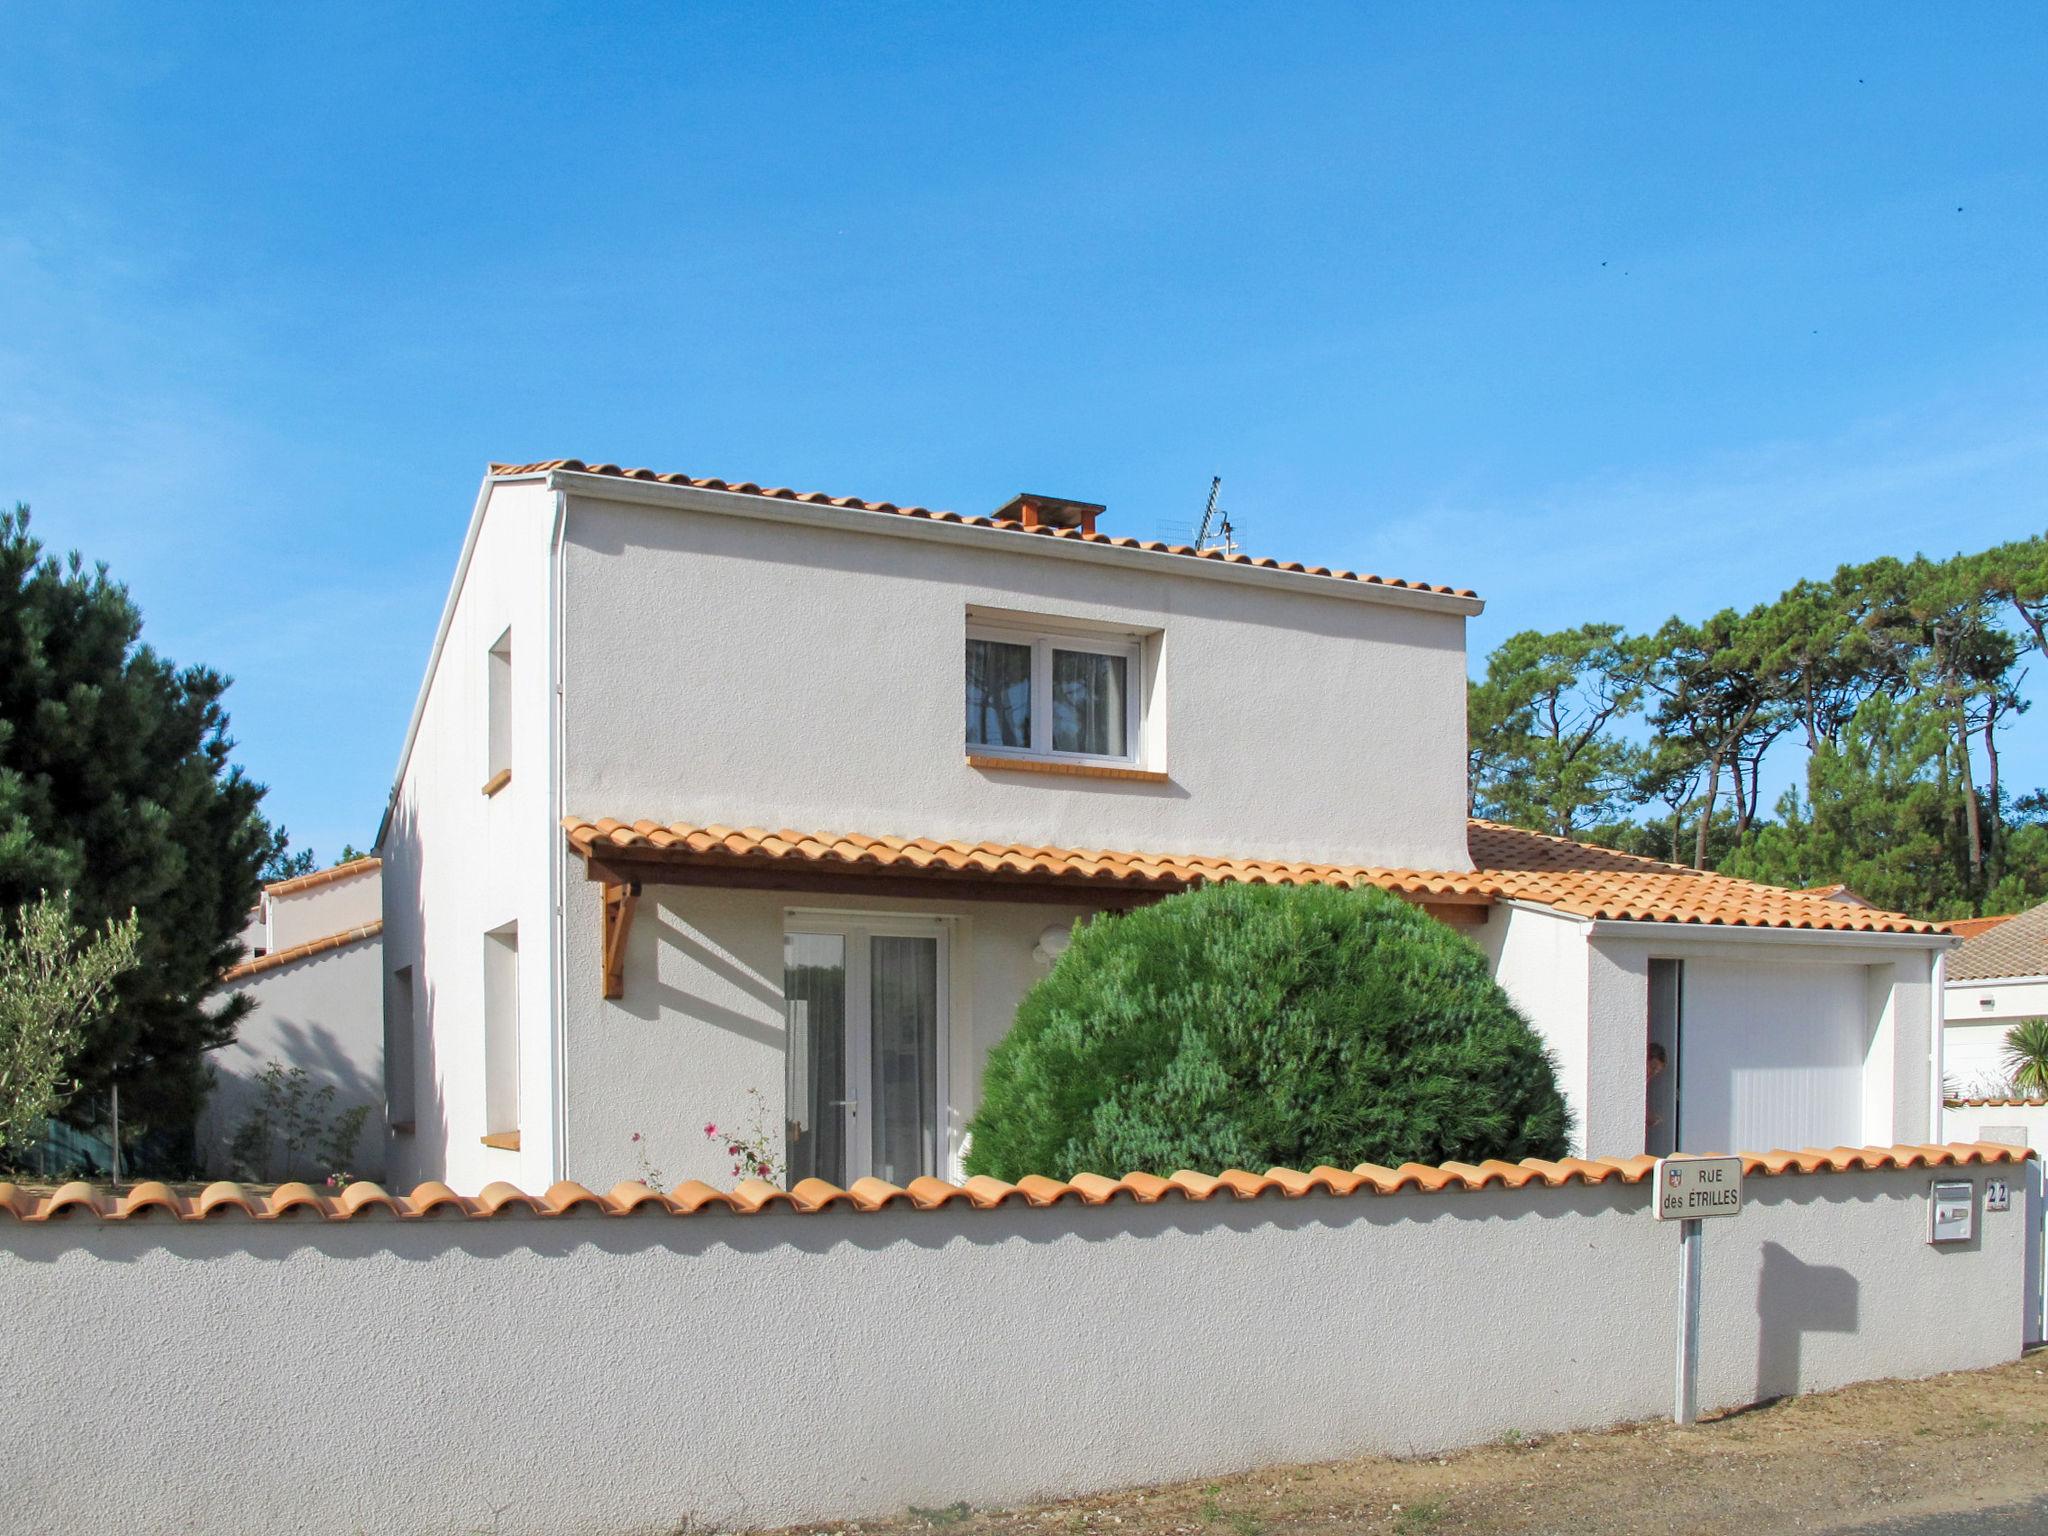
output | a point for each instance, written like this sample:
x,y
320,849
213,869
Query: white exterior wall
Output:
x,y
587,1376
1808,1039
1814,1040
458,865
702,1020
303,916
1541,961
1978,1014
758,671
325,1014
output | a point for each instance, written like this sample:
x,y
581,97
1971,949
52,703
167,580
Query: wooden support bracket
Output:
x,y
621,897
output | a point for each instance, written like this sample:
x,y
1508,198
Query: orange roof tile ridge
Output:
x,y
366,1200
1075,535
306,951
1583,880
329,876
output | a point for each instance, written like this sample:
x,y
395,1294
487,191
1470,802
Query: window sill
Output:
x,y
497,781
503,1141
1063,769
402,1127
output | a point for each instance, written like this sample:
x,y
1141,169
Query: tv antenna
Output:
x,y
1216,531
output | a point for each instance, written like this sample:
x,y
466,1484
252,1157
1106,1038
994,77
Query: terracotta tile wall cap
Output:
x,y
1996,1103
309,950
854,503
369,1201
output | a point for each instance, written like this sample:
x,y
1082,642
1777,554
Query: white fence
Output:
x,y
585,1372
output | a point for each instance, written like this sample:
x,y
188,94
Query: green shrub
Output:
x,y
1240,1026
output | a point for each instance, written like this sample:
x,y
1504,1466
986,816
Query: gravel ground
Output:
x,y
1957,1453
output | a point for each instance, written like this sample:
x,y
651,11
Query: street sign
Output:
x,y
1954,1205
1690,1188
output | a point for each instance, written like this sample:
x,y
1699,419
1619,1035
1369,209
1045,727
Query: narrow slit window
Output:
x,y
398,1049
501,1030
499,728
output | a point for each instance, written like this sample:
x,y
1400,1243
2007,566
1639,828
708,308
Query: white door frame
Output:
x,y
856,928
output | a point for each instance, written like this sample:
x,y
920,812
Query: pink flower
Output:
x,y
710,1130
636,1135
762,1170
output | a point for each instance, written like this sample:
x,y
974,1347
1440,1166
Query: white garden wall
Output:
x,y
590,1374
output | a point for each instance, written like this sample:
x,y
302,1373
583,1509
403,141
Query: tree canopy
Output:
x,y
1897,678
116,788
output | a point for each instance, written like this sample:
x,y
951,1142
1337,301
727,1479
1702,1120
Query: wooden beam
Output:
x,y
621,899
1462,914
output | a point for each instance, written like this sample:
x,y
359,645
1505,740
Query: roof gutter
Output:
x,y
1737,933
894,524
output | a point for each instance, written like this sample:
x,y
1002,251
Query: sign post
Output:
x,y
1691,1190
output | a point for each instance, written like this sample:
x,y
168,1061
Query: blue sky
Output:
x,y
1608,314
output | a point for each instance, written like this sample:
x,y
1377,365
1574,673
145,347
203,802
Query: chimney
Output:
x,y
1050,512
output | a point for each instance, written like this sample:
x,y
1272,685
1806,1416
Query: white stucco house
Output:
x,y
1998,978
314,969
713,788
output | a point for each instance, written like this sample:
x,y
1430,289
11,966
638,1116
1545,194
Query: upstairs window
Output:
x,y
1052,696
498,727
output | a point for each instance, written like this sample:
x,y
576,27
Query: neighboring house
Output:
x,y
1996,979
315,970
589,938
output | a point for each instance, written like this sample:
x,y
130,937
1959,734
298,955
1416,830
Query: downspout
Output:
x,y
1937,1011
558,984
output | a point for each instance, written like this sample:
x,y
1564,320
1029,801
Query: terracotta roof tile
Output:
x,y
367,1201
2016,947
1511,864
320,877
306,951
854,503
2006,1103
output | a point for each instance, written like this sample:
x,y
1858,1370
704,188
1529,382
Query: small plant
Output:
x,y
2026,1057
756,1152
1425,1516
294,1125
650,1175
951,1514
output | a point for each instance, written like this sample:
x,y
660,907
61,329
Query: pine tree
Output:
x,y
115,786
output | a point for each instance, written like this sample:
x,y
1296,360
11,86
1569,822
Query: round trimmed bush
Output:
x,y
1246,1026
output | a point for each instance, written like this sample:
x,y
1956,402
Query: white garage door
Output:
x,y
1771,1056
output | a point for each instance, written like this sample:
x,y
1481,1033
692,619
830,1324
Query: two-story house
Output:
x,y
714,788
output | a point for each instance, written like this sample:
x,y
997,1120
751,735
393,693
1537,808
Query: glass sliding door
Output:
x,y
866,1010
903,1057
814,999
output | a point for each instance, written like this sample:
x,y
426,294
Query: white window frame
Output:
x,y
854,929
1043,643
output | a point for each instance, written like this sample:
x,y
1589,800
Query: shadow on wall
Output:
x,y
1793,1299
238,1094
412,1157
